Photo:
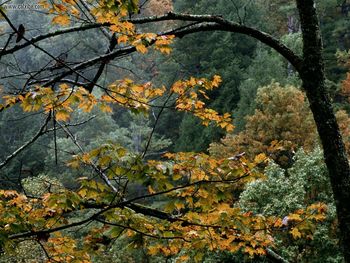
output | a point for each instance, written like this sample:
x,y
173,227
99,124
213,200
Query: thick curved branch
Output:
x,y
219,23
137,208
186,30
207,23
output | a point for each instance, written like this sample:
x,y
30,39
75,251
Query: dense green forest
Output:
x,y
174,131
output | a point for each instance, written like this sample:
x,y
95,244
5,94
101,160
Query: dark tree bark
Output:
x,y
313,79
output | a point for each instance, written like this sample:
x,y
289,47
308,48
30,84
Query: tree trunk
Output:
x,y
313,79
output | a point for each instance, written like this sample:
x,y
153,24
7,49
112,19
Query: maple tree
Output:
x,y
281,124
196,187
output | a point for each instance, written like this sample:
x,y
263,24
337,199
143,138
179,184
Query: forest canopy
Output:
x,y
174,131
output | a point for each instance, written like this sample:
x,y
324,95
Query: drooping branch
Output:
x,y
137,208
112,44
140,232
52,34
40,132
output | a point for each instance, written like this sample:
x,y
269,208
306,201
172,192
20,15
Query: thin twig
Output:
x,y
40,132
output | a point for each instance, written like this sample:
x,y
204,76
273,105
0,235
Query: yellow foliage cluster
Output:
x,y
189,99
61,102
204,208
126,93
282,123
63,12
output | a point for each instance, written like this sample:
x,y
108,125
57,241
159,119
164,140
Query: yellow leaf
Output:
x,y
295,233
229,127
74,11
260,158
71,2
60,7
122,39
61,20
153,250
319,217
62,115
138,88
105,108
130,233
164,49
179,205
151,190
216,81
104,160
250,251
183,258
74,163
278,223
141,48
294,217
128,26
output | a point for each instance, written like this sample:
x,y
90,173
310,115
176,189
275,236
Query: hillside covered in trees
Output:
x,y
174,131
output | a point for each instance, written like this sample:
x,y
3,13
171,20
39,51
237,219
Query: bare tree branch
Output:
x,y
275,257
53,34
40,132
103,176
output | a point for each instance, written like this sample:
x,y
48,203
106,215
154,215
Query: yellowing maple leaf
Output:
x,y
63,20
141,48
62,115
182,259
216,81
295,233
122,39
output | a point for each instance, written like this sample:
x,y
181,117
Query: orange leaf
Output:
x,y
61,20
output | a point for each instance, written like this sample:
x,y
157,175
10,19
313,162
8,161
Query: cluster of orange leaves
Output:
x,y
113,13
126,93
189,99
62,101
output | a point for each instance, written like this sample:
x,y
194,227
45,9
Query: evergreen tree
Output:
x,y
219,53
